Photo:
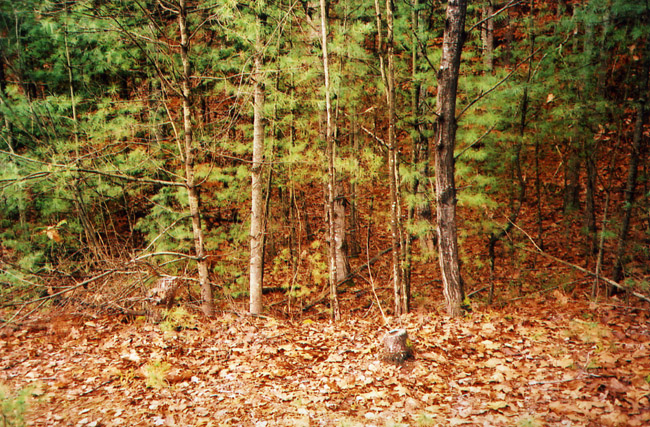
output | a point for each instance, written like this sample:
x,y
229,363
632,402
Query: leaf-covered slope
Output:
x,y
549,362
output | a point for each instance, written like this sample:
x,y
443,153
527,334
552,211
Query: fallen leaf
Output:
x,y
497,405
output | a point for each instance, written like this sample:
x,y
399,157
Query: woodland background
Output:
x,y
120,140
169,167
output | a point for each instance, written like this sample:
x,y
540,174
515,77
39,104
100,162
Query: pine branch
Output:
x,y
479,139
131,178
499,83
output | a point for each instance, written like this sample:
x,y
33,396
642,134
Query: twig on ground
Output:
x,y
567,380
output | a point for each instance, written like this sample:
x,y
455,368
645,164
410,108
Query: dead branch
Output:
x,y
325,295
581,269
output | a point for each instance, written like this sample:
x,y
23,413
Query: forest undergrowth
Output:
x,y
100,206
547,358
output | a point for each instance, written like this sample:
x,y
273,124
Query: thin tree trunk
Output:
x,y
635,155
572,182
487,34
340,206
401,298
207,303
3,94
590,201
525,104
417,141
340,237
331,182
96,247
256,267
601,242
420,210
538,190
445,141
353,234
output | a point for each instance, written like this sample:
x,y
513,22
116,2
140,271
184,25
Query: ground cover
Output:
x,y
546,361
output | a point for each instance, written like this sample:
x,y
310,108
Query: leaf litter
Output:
x,y
534,365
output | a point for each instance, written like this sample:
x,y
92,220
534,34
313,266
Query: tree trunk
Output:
x,y
487,36
635,156
401,297
256,267
590,200
207,303
3,94
420,210
340,237
331,182
445,140
538,190
354,247
572,182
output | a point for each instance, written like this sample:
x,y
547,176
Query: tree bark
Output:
x,y
445,140
207,303
331,182
256,266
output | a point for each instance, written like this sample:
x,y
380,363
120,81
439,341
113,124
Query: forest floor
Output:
x,y
546,361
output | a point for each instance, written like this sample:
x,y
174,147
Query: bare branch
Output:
x,y
581,269
512,3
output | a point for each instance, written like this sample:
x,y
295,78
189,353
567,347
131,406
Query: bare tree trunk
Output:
x,y
207,303
417,139
590,200
487,33
256,266
331,182
420,210
3,94
354,247
401,297
340,237
538,190
635,156
445,141
572,181
387,68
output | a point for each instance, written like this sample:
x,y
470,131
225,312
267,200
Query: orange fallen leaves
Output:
x,y
540,368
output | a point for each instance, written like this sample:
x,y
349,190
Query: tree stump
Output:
x,y
164,292
397,347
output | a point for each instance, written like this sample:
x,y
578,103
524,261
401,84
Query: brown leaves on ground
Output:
x,y
539,365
